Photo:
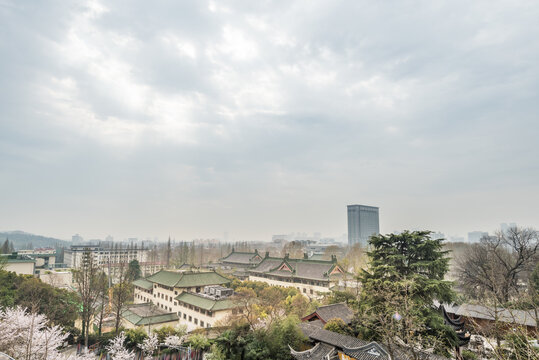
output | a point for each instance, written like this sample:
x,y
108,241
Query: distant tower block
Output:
x,y
363,222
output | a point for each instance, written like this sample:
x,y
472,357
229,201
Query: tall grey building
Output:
x,y
362,223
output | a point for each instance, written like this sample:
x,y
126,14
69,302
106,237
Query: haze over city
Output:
x,y
191,120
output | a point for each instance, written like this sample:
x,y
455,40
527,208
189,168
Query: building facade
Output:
x,y
311,277
187,294
363,222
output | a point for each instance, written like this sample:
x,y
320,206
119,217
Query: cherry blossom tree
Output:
x,y
26,336
149,345
116,349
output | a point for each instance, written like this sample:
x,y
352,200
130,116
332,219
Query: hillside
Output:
x,y
24,240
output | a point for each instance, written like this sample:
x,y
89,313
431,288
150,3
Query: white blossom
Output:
x,y
116,348
149,345
26,335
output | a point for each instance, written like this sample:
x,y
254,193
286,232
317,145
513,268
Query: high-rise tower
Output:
x,y
362,223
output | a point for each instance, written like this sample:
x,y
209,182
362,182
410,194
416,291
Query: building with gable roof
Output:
x,y
310,277
196,298
327,312
241,259
329,345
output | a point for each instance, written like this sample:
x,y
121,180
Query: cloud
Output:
x,y
203,112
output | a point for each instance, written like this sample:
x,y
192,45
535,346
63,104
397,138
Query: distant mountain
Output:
x,y
23,240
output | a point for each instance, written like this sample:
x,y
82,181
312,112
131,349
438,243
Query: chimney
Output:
x,y
334,258
286,256
267,255
305,256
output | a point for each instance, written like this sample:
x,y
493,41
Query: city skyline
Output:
x,y
192,120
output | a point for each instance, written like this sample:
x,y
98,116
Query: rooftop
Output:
x,y
206,302
144,314
187,279
327,312
242,258
300,268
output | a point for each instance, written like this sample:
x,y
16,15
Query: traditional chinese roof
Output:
x,y
356,348
510,316
187,279
143,283
299,268
144,314
318,352
242,258
205,302
327,312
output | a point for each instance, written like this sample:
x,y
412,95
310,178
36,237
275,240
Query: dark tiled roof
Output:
x,y
359,349
521,317
318,352
300,268
244,258
339,311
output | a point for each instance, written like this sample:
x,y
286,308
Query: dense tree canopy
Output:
x,y
404,278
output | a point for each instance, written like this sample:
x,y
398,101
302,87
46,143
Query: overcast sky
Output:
x,y
192,118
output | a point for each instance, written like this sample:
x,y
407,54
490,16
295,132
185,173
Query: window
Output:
x,y
311,291
190,318
184,316
175,303
304,290
196,321
201,323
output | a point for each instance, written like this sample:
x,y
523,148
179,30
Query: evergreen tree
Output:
x,y
404,279
5,247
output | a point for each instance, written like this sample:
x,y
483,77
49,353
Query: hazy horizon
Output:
x,y
146,119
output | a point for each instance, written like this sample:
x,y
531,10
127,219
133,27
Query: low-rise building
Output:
x,y
20,264
327,312
147,316
241,259
164,287
207,308
311,277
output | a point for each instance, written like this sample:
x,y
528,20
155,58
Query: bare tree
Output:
x,y
122,292
87,281
497,264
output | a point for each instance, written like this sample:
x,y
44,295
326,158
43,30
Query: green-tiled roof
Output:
x,y
143,283
187,279
156,318
205,303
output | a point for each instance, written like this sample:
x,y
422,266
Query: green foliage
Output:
x,y
133,271
347,297
405,276
133,337
59,305
199,341
165,331
468,355
337,325
517,347
241,343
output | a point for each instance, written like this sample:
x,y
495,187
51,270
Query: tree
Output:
x,y
26,336
60,306
493,268
337,325
117,350
87,280
133,271
405,277
122,292
5,247
149,345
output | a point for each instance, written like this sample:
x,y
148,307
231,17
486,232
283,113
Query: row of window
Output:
x,y
193,320
293,280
